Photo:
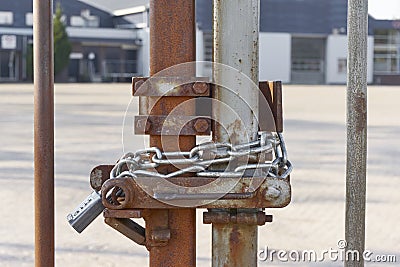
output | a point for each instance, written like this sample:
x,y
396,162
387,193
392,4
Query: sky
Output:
x,y
384,9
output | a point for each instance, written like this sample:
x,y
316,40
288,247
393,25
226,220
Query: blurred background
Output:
x,y
109,40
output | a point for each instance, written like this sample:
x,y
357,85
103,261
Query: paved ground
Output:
x,y
88,132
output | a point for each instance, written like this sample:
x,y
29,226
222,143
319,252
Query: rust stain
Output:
x,y
360,106
173,41
235,130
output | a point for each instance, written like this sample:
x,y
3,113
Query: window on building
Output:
x,y
90,20
77,21
28,19
386,52
307,65
342,65
85,20
93,22
6,18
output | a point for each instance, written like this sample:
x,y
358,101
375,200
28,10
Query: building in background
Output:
x,y
101,49
386,51
301,41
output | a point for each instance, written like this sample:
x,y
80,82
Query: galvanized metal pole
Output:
x,y
356,129
236,30
172,41
43,132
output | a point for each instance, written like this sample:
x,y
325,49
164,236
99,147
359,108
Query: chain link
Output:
x,y
205,159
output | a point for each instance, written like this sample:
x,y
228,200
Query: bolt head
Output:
x,y
201,125
272,193
200,87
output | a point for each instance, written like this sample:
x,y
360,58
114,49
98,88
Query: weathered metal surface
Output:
x,y
172,125
202,126
111,187
170,86
128,228
99,175
356,128
159,233
237,47
277,110
202,196
43,132
172,41
151,194
236,33
128,213
241,239
224,216
272,92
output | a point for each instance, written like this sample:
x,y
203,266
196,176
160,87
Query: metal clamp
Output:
x,y
171,86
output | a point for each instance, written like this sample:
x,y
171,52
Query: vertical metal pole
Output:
x,y
44,132
356,128
173,41
236,30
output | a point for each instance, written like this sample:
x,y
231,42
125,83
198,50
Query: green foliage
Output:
x,y
62,46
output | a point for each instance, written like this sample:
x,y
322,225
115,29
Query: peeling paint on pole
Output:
x,y
356,128
236,30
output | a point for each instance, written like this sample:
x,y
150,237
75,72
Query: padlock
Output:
x,y
86,212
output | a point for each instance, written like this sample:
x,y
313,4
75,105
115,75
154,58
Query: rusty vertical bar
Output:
x,y
172,41
357,31
43,132
236,31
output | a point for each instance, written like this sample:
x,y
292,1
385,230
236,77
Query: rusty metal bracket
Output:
x,y
224,217
272,92
121,193
157,236
99,175
271,193
172,125
158,233
127,213
128,228
170,86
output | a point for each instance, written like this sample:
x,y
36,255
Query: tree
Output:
x,y
62,45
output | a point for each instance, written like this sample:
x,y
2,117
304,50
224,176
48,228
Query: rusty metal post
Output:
x,y
236,30
356,128
43,132
172,41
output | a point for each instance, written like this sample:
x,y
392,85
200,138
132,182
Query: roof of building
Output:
x,y
293,16
69,7
298,17
104,27
112,5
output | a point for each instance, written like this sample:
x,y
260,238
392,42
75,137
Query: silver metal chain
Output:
x,y
206,159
